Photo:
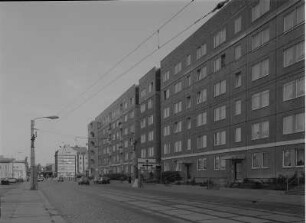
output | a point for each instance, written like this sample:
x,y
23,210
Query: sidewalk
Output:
x,y
22,205
252,195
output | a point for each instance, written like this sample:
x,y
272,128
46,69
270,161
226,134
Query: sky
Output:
x,y
58,58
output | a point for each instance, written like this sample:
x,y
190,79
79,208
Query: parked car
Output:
x,y
12,180
60,179
104,180
83,180
5,181
40,179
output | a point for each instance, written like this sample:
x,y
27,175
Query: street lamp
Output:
x,y
34,185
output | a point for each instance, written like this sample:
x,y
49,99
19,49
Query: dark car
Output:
x,y
60,179
5,181
83,180
104,180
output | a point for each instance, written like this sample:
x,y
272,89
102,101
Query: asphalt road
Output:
x,y
117,203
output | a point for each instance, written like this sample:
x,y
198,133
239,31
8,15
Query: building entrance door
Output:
x,y
238,170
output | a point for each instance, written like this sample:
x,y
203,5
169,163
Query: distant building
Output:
x,y
116,137
65,162
81,160
6,167
93,148
11,168
20,169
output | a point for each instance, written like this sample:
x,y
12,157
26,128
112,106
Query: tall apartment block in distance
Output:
x,y
149,116
117,129
232,101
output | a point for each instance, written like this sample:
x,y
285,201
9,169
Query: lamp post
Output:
x,y
34,185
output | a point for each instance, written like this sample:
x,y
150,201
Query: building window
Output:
x,y
201,96
294,54
125,118
238,135
143,93
217,64
188,144
201,51
220,113
151,152
188,123
220,138
143,138
261,8
166,112
188,60
294,123
150,103
238,107
220,88
189,81
177,127
166,94
150,136
202,164
293,157
294,89
238,52
219,163
177,87
150,120
178,166
260,38
132,128
143,123
260,69
188,102
201,119
294,18
260,100
202,73
220,37
259,160
201,142
142,108
166,148
177,68
167,130
178,146
237,24
166,76
177,107
143,153
166,166
238,79
151,87
260,130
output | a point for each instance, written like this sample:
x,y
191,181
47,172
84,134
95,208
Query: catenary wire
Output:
x,y
126,56
140,61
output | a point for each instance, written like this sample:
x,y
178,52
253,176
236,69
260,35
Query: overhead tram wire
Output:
x,y
219,5
156,32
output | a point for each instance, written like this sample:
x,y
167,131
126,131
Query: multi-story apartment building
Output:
x,y
232,102
149,117
117,131
65,162
81,160
93,148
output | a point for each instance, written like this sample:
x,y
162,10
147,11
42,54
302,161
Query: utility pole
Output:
x,y
33,172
